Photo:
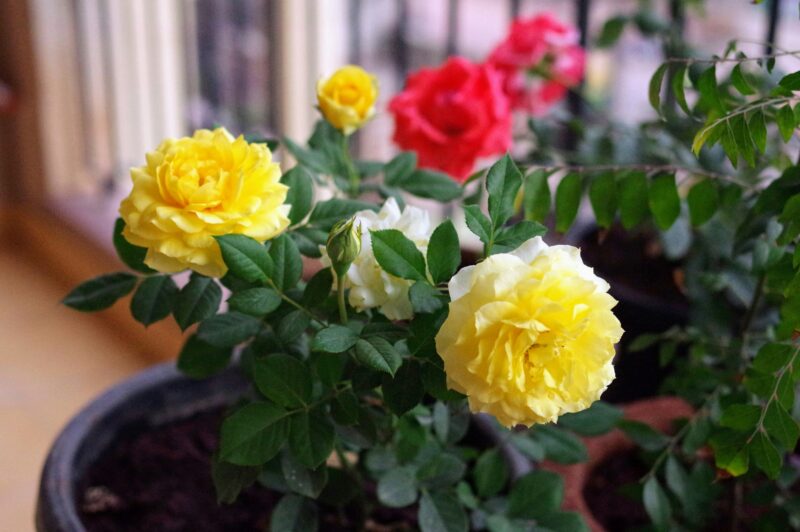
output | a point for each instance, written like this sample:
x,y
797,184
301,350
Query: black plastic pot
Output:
x,y
154,397
649,302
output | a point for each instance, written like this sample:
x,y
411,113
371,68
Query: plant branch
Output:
x,y
714,60
295,304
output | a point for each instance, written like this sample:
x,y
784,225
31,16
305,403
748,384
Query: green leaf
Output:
x,y
528,446
633,202
230,479
478,223
611,31
703,201
657,504
311,437
444,252
677,85
785,120
292,326
502,183
491,473
510,238
153,299
568,199
441,512
730,451
314,160
598,419
318,287
246,258
229,329
300,194
790,218
780,425
791,81
707,86
334,339
758,130
765,456
560,445
398,255
294,514
654,91
400,168
441,471
664,201
100,292
197,301
728,141
772,357
287,263
326,213
283,379
536,199
740,82
301,479
132,256
253,434
425,298
257,301
536,495
563,522
744,142
199,359
740,417
378,354
679,483
603,197
432,185
398,487
643,435
404,391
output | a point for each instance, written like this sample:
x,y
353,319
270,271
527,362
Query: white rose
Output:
x,y
370,286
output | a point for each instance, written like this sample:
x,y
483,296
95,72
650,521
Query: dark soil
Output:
x,y
608,492
160,479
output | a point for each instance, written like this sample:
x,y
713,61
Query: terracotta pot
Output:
x,y
658,412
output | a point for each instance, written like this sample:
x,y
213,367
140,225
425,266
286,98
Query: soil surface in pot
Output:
x,y
160,479
610,492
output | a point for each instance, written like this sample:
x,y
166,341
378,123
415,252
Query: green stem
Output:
x,y
352,175
295,304
340,298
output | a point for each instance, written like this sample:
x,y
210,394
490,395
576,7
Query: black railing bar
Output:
x,y
574,99
79,25
401,40
451,44
514,8
772,25
354,44
117,165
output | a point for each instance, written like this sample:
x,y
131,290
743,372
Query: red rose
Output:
x,y
539,59
452,115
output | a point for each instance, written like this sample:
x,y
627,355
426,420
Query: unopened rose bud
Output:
x,y
344,245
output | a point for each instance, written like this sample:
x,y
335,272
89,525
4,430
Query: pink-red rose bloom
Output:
x,y
539,59
452,115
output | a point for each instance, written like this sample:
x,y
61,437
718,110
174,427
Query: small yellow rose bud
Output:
x,y
347,98
344,245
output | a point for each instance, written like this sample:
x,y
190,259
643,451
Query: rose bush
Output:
x,y
539,59
453,115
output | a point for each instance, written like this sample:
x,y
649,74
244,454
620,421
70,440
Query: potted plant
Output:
x,y
340,401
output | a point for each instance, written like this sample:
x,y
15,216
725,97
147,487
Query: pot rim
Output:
x,y
57,500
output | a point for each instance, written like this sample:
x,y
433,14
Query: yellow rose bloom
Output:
x,y
195,188
347,98
530,334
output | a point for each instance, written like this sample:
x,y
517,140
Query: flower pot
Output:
x,y
646,285
154,397
151,402
658,412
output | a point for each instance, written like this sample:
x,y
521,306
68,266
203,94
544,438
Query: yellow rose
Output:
x,y
195,188
530,334
347,98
